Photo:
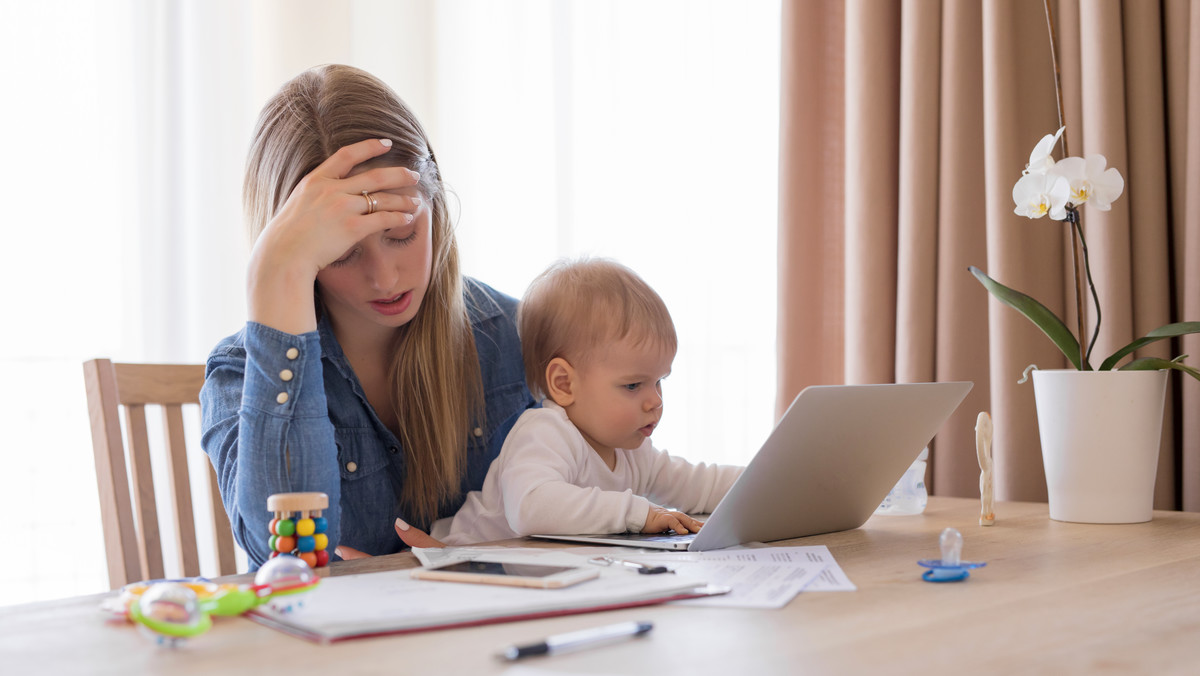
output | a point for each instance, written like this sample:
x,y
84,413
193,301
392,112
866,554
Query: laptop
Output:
x,y
826,467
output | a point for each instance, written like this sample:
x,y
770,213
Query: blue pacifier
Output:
x,y
951,567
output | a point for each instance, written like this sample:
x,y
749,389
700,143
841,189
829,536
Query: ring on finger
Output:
x,y
372,204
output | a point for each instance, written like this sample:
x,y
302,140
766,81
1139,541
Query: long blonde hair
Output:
x,y
433,365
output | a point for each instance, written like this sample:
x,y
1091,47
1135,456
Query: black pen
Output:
x,y
576,640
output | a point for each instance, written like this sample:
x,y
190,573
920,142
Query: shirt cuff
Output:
x,y
635,519
280,367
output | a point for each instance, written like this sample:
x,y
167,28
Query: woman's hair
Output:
x,y
575,307
434,368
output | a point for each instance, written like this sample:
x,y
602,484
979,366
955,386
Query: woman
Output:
x,y
369,368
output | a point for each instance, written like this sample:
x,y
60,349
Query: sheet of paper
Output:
x,y
759,576
753,584
830,579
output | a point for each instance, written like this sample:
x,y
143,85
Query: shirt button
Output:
x,y
393,450
292,353
352,466
282,398
478,432
285,375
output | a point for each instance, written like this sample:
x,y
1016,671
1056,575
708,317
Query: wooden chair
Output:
x,y
131,528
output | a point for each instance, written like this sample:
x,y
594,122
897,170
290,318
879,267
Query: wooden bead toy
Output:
x,y
298,527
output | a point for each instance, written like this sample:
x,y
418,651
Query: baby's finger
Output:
x,y
675,524
692,524
339,164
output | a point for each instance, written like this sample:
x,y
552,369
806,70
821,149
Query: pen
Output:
x,y
575,640
639,567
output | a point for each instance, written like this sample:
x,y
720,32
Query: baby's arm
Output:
x,y
541,490
691,488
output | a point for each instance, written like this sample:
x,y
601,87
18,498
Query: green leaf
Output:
x,y
1039,314
1155,364
1168,331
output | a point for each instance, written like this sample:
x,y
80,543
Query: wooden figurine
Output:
x,y
983,448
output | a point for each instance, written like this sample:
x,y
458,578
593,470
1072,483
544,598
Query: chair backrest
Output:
x,y
133,545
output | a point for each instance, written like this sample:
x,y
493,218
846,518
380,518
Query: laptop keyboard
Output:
x,y
653,537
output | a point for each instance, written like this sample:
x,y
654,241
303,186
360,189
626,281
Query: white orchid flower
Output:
x,y
1039,194
1040,160
1090,181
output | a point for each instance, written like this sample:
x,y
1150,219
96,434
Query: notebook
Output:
x,y
393,602
830,461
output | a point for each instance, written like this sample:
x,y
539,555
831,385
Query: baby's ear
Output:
x,y
560,380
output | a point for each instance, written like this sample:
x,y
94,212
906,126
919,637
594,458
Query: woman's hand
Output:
x,y
661,520
350,553
413,537
325,216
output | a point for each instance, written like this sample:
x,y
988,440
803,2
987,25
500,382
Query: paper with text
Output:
x,y
759,576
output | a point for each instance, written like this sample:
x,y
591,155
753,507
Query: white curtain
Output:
x,y
643,131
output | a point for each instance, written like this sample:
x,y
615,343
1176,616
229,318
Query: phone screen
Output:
x,y
494,568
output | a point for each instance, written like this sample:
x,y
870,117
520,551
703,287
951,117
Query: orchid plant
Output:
x,y
1058,189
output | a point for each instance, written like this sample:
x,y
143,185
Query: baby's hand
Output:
x,y
661,520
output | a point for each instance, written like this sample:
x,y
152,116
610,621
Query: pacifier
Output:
x,y
951,567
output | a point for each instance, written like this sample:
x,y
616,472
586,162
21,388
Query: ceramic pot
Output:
x,y
1100,433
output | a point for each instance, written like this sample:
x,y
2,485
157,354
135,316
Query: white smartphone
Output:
x,y
513,574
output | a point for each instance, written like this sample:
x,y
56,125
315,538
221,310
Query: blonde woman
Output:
x,y
369,368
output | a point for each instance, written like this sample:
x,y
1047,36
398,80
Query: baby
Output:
x,y
597,342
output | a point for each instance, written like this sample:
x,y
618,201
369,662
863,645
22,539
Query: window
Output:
x,y
642,131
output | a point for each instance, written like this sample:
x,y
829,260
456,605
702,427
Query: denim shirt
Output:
x,y
286,413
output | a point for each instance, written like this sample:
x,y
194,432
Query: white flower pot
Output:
x,y
1100,433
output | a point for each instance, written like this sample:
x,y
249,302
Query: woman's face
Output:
x,y
380,282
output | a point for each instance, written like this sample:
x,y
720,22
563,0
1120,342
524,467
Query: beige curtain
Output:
x,y
904,126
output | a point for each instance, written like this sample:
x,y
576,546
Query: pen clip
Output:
x,y
641,568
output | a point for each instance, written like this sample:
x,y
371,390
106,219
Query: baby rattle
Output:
x,y
171,611
298,527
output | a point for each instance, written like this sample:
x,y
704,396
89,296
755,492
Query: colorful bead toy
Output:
x,y
298,527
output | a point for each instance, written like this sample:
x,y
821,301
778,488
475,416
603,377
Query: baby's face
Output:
x,y
618,394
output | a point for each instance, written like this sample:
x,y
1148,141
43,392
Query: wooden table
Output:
x,y
1054,598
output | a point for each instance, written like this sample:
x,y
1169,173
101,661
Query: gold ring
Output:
x,y
372,205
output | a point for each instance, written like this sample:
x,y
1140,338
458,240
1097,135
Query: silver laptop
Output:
x,y
828,464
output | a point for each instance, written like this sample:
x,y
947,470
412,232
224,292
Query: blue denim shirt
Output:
x,y
324,436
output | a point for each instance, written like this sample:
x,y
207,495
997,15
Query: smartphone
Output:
x,y
513,574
